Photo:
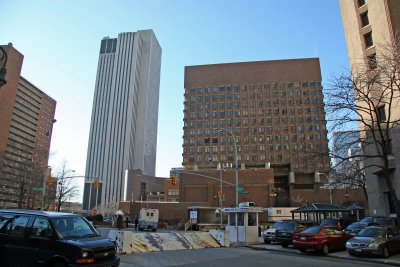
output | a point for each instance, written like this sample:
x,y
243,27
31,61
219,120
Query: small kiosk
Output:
x,y
247,224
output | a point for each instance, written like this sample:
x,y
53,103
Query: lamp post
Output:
x,y
329,185
236,180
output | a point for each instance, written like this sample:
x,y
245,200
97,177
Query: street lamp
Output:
x,y
329,185
236,180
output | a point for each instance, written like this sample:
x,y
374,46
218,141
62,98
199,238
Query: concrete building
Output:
x,y
123,132
369,26
26,119
271,112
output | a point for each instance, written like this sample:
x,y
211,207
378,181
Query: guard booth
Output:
x,y
247,229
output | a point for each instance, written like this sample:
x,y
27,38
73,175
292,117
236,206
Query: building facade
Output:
x,y
26,119
123,132
369,27
271,112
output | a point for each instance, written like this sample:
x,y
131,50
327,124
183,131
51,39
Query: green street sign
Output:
x,y
37,188
241,191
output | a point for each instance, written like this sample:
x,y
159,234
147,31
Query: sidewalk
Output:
x,y
392,260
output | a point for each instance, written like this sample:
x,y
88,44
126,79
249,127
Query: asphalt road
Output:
x,y
235,257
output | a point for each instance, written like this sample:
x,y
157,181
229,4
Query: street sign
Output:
x,y
37,188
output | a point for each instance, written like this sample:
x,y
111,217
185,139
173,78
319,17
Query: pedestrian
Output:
x,y
136,222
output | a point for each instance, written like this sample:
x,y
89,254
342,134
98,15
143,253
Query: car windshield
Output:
x,y
367,220
73,227
277,225
372,232
312,230
354,226
288,226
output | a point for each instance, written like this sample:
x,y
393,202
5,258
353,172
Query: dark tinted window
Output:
x,y
5,219
40,226
277,225
18,226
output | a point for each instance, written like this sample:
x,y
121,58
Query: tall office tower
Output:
x,y
273,109
369,26
26,119
123,132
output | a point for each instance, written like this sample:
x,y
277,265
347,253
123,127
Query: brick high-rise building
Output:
x,y
26,119
274,110
369,27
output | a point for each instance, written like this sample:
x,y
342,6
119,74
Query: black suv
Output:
x,y
284,235
40,238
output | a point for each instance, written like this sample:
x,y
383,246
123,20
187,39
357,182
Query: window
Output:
x,y
361,2
364,19
19,225
40,227
368,39
372,61
381,114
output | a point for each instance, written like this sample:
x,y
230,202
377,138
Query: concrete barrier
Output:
x,y
131,242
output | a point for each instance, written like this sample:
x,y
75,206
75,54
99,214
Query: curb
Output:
x,y
383,261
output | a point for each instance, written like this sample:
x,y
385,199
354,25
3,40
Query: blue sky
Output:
x,y
61,39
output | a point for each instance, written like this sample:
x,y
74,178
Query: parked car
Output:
x,y
375,240
338,222
269,234
384,221
321,238
284,234
40,238
354,228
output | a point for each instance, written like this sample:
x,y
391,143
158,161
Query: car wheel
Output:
x,y
267,241
351,253
284,245
59,264
325,249
385,252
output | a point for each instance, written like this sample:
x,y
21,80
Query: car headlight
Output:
x,y
373,245
348,244
85,257
85,254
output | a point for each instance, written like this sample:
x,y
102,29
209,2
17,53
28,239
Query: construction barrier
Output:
x,y
131,242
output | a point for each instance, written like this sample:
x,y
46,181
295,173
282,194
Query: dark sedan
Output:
x,y
375,240
321,238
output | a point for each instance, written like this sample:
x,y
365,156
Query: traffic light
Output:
x,y
50,181
173,180
96,184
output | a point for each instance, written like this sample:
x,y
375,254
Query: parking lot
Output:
x,y
393,260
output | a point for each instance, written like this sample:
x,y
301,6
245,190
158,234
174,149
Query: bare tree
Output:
x,y
65,188
368,101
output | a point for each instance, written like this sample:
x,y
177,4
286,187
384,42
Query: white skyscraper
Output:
x,y
123,131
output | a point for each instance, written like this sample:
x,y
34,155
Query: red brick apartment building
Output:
x,y
26,119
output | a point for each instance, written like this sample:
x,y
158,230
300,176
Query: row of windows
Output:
x,y
252,95
260,112
259,86
260,130
254,148
260,103
255,139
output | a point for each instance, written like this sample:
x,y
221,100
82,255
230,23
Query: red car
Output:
x,y
321,238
